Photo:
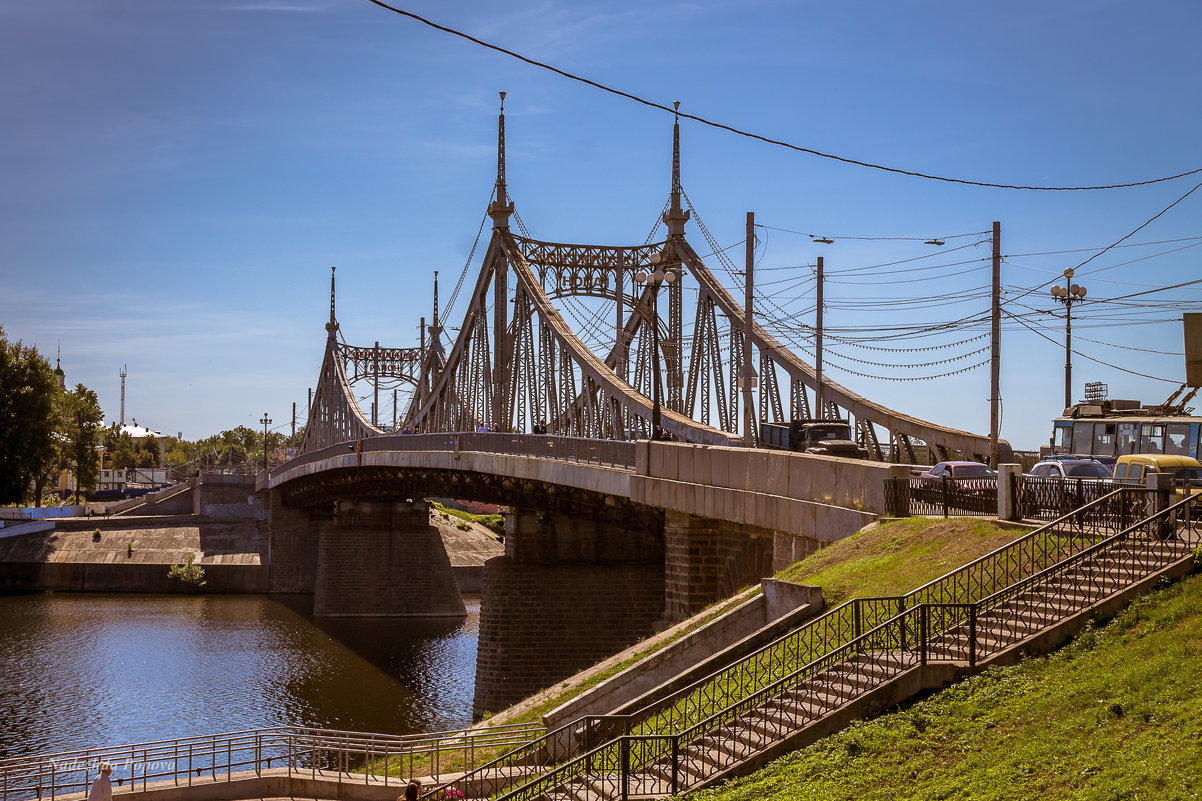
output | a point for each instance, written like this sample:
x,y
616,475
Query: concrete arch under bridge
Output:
x,y
605,541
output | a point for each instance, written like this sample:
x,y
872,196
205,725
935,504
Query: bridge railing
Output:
x,y
353,757
604,452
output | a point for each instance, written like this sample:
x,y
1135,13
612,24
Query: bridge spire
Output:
x,y
435,326
332,325
675,217
501,208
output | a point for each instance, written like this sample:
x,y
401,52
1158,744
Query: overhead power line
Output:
x,y
1148,222
1024,324
759,137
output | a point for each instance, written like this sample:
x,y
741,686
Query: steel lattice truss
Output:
x,y
518,365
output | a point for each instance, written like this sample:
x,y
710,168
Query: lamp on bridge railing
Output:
x,y
664,275
1073,293
266,421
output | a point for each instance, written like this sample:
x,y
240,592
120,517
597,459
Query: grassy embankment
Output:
x,y
887,559
494,522
1115,714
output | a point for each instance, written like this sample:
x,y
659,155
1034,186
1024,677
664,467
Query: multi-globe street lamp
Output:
x,y
266,421
655,279
1068,295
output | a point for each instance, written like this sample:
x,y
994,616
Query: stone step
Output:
x,y
703,753
604,790
723,740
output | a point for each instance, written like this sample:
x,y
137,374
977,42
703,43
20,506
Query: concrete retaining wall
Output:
x,y
756,621
118,577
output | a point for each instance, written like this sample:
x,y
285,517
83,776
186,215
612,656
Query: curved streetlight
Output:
x,y
1068,295
655,279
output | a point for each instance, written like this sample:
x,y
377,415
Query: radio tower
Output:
x,y
124,372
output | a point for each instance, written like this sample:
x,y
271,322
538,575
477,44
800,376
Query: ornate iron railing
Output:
x,y
966,615
949,497
1045,498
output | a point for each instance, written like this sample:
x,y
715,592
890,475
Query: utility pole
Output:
x,y
748,379
124,372
394,411
995,347
375,367
818,411
294,419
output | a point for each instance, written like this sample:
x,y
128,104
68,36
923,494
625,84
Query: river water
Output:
x,y
86,670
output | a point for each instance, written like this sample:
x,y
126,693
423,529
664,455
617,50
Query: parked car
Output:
x,y
958,470
1063,467
1106,460
1134,468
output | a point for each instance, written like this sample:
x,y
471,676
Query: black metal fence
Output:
x,y
1041,498
949,497
1037,498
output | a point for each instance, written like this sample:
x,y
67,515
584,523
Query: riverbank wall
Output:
x,y
135,554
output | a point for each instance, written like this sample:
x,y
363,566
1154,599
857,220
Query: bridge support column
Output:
x,y
567,593
706,559
291,547
383,559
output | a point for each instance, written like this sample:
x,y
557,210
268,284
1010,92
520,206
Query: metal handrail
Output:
x,y
183,761
656,763
850,621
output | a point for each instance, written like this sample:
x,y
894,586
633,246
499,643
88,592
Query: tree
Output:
x,y
148,452
27,388
83,426
57,456
125,455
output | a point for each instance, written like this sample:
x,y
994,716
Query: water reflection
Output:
x,y
79,670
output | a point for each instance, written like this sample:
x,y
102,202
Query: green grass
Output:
x,y
897,556
889,559
494,522
1116,714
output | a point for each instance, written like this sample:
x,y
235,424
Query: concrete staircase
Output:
x,y
867,655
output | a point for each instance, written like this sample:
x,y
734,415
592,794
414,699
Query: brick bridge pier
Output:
x,y
605,543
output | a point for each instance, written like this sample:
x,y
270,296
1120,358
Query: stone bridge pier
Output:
x,y
363,558
569,591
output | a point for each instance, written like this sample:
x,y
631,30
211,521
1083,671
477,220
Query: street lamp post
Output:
x,y
1068,295
654,280
266,421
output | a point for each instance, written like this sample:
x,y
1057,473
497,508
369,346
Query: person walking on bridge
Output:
x,y
102,788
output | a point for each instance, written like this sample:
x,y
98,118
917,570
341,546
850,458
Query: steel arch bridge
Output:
x,y
516,364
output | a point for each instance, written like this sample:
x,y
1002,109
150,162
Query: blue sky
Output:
x,y
178,178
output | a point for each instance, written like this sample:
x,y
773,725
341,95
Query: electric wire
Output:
x,y
1091,358
759,137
